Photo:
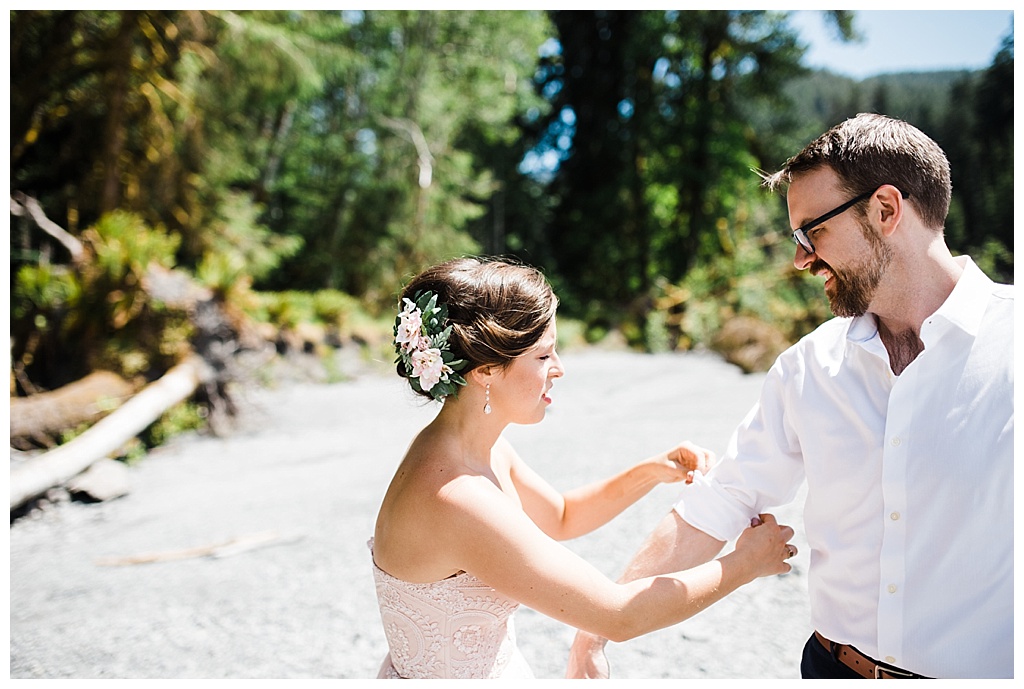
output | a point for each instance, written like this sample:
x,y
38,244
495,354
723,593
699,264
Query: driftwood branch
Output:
x,y
36,475
232,547
415,134
21,204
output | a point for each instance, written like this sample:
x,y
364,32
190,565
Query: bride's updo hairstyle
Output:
x,y
498,309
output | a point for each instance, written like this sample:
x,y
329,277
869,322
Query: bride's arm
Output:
x,y
672,545
564,516
494,540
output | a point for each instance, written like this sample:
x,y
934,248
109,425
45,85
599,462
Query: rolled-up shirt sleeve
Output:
x,y
761,468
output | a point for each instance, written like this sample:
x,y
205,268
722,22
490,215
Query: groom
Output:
x,y
898,414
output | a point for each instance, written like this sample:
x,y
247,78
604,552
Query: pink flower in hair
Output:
x,y
424,353
409,333
429,367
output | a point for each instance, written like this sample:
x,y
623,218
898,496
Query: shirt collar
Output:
x,y
961,308
964,307
862,328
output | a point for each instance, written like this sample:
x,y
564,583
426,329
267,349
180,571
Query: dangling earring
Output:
x,y
487,399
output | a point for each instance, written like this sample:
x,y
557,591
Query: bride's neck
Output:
x,y
474,432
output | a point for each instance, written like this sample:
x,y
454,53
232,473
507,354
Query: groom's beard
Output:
x,y
853,288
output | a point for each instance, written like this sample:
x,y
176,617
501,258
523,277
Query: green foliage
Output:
x,y
656,103
751,276
979,142
381,173
69,320
41,289
179,419
284,309
821,99
99,119
124,247
240,249
292,308
333,307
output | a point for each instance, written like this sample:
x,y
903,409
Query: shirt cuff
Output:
x,y
707,506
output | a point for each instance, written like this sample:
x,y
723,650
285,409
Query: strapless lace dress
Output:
x,y
456,628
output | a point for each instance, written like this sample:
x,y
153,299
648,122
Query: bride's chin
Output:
x,y
540,416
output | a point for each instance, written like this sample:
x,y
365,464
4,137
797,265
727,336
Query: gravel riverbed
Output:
x,y
245,556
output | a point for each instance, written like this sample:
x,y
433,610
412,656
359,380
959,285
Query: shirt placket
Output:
x,y
892,559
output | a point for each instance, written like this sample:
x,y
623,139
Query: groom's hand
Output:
x,y
587,659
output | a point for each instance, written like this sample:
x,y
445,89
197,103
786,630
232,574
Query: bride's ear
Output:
x,y
482,375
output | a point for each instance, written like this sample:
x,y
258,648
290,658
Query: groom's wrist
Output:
x,y
593,640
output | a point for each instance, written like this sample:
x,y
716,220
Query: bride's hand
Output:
x,y
765,547
680,463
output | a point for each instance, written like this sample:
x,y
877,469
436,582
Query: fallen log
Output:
x,y
36,475
38,420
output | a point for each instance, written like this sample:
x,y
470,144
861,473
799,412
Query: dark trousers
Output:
x,y
818,663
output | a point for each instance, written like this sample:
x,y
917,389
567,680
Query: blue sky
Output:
x,y
906,40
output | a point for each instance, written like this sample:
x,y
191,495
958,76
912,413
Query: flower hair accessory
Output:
x,y
421,341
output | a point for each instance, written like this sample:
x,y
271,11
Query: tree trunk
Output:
x,y
114,137
35,476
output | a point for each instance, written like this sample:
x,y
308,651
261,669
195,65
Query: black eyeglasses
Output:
x,y
800,233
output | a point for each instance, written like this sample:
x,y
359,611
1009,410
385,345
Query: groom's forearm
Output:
x,y
673,546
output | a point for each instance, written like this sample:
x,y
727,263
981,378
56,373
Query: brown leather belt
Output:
x,y
864,666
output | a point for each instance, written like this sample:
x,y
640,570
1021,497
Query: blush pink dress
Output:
x,y
456,628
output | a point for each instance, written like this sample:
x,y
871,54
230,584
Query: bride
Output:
x,y
467,531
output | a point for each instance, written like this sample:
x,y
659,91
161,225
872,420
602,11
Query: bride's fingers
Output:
x,y
705,460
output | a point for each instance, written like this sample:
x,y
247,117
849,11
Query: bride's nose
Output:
x,y
557,370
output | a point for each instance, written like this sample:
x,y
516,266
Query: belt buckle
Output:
x,y
896,673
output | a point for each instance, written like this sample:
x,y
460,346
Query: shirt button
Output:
x,y
896,441
890,660
894,516
892,588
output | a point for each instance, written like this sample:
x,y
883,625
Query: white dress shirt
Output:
x,y
909,510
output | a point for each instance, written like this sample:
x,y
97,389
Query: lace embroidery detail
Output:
x,y
467,638
455,628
